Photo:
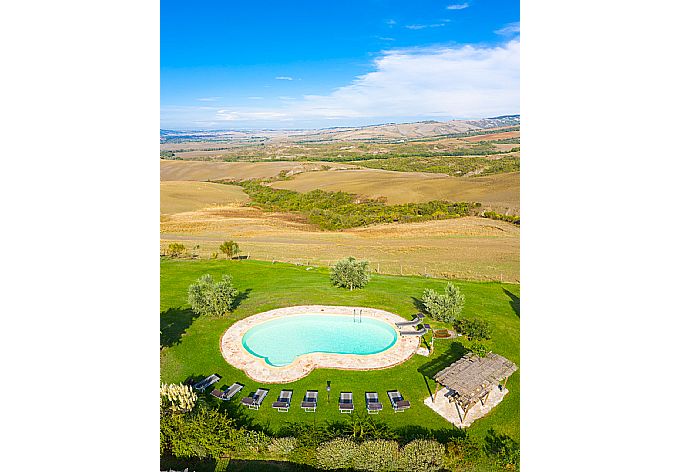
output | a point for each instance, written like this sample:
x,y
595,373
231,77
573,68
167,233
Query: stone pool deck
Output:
x,y
257,368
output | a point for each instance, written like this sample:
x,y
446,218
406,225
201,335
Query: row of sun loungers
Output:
x,y
345,402
413,325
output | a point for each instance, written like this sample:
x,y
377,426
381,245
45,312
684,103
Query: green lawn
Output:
x,y
191,345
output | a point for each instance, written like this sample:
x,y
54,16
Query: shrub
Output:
x,y
474,329
376,455
205,433
282,446
176,249
177,398
248,442
350,273
462,451
503,450
207,297
229,248
479,349
336,454
444,307
421,455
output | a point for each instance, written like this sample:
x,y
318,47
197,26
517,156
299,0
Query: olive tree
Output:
x,y
444,306
230,248
175,249
210,298
350,273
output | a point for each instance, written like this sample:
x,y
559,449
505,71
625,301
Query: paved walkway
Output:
x,y
451,412
257,368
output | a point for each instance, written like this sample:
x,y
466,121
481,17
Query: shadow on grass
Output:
x,y
228,465
174,323
514,302
242,296
419,305
454,352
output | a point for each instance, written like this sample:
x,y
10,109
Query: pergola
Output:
x,y
472,378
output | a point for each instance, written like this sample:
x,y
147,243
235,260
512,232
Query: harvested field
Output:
x,y
500,192
468,248
492,137
204,170
177,197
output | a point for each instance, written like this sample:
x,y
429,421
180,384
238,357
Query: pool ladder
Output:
x,y
354,316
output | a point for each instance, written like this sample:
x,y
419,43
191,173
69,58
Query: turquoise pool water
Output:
x,y
282,340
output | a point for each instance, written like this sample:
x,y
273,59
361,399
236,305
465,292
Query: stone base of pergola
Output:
x,y
451,412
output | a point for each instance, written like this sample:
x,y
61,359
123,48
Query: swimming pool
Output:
x,y
282,340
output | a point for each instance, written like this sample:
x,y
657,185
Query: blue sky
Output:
x,y
310,64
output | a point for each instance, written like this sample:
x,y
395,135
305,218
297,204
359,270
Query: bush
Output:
x,y
444,307
248,442
336,454
177,398
462,451
229,248
207,297
479,349
421,455
350,273
474,329
176,249
205,433
376,455
503,450
282,446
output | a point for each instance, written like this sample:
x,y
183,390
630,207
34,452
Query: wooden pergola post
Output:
x,y
433,398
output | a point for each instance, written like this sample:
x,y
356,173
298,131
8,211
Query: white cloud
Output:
x,y
391,22
283,77
434,25
445,82
209,99
509,29
383,38
458,6
255,98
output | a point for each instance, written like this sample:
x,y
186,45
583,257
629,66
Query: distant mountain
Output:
x,y
380,132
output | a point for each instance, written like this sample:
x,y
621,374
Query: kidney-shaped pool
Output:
x,y
281,340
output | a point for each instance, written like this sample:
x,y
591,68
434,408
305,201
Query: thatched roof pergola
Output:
x,y
472,378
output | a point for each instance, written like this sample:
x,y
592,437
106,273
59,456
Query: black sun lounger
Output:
x,y
310,400
254,402
206,383
283,403
425,329
228,393
414,322
373,404
345,404
397,401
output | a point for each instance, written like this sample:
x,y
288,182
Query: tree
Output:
x,y
175,249
230,248
350,273
207,297
444,307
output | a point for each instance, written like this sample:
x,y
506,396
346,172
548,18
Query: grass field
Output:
x,y
190,345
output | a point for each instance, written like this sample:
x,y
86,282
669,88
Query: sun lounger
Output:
x,y
397,401
310,400
283,403
206,383
345,404
414,322
228,393
373,404
254,402
421,332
